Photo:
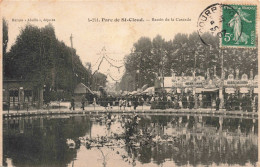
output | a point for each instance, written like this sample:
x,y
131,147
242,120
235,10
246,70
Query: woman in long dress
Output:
x,y
236,24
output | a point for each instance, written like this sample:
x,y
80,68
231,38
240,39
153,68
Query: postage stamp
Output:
x,y
239,23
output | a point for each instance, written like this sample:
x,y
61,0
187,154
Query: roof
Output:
x,y
81,88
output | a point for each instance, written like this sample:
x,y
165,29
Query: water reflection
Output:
x,y
130,140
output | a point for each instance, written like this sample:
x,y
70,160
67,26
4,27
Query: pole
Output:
x,y
40,96
194,86
71,37
222,81
163,69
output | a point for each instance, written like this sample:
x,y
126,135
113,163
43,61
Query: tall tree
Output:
x,y
5,42
5,36
37,55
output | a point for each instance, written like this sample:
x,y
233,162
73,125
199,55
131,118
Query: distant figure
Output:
x,y
256,103
83,100
94,102
236,102
249,103
184,101
217,103
72,103
135,102
204,101
124,103
191,102
200,101
243,102
120,103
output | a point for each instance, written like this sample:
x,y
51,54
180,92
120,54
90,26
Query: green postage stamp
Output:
x,y
239,24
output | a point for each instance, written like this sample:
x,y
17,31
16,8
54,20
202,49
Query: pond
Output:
x,y
113,140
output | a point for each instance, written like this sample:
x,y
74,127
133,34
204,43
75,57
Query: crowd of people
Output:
x,y
177,101
244,103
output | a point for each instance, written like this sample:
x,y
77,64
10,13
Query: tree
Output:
x,y
98,79
5,36
5,42
185,54
37,55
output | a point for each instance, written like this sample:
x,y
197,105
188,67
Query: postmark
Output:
x,y
229,23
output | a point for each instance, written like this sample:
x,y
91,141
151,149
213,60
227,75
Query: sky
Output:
x,y
117,37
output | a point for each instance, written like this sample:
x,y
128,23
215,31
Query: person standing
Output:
x,y
236,102
231,102
124,103
249,104
217,103
120,103
72,103
243,102
83,100
191,102
184,101
135,102
94,102
204,101
169,101
256,103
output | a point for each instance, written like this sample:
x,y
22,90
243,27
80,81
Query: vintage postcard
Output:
x,y
129,83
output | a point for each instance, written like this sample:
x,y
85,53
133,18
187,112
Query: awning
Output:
x,y
132,93
210,89
149,90
229,90
186,90
244,90
199,90
256,90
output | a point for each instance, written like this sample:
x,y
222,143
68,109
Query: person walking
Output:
x,y
83,100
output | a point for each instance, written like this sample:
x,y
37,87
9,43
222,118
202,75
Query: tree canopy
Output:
x,y
37,55
184,54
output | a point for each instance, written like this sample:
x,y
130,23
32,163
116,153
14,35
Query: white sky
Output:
x,y
90,38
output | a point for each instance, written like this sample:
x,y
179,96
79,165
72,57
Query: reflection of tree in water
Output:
x,y
43,145
204,143
185,140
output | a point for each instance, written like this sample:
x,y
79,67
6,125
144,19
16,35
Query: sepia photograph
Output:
x,y
129,83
